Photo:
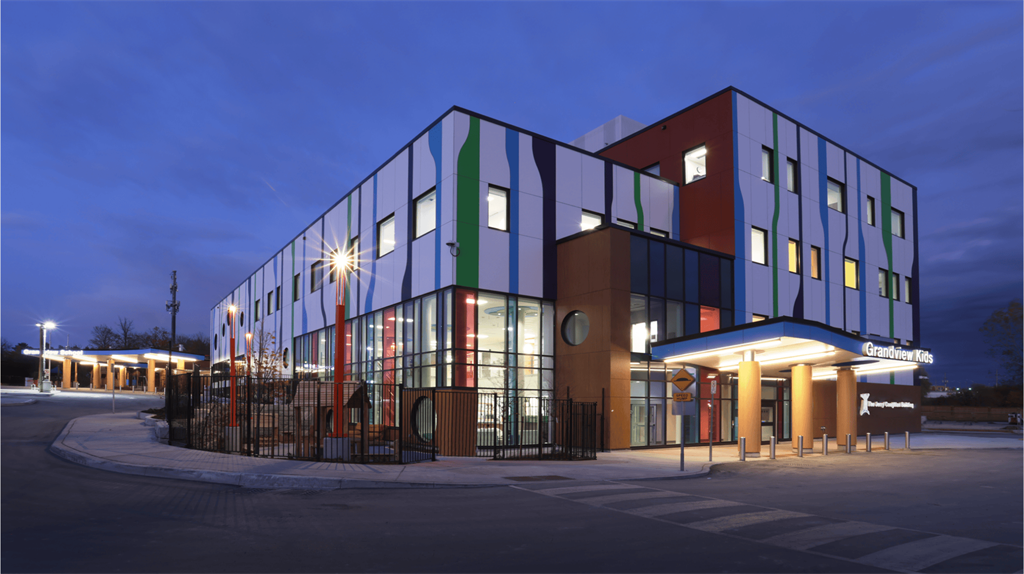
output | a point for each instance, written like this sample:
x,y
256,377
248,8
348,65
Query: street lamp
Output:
x,y
248,354
233,419
44,383
343,263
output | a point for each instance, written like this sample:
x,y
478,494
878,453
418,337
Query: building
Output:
x,y
727,239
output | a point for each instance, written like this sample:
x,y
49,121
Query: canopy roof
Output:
x,y
120,357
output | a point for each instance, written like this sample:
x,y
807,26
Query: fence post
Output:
x,y
886,440
906,439
847,443
433,423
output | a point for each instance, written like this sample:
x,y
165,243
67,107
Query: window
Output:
x,y
658,232
296,282
755,318
386,236
625,223
897,223
883,283
277,297
497,208
333,274
316,275
869,215
896,286
710,319
270,302
767,165
836,196
426,213
758,246
850,273
815,262
575,328
654,169
794,256
906,289
256,310
590,220
695,165
791,175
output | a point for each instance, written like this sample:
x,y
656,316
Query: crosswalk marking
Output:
x,y
818,535
673,507
739,520
588,488
920,554
602,500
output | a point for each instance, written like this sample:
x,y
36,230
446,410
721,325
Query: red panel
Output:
x,y
465,338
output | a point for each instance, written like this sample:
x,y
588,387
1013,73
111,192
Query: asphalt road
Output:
x,y
898,512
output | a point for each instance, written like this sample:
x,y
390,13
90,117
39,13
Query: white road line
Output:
x,y
816,535
589,488
673,507
920,554
740,520
601,500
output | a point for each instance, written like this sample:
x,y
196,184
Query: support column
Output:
x,y
65,374
110,375
803,407
749,416
151,376
846,406
96,375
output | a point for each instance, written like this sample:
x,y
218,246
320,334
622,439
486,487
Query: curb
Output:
x,y
17,402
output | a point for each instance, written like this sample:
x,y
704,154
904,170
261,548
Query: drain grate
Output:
x,y
535,478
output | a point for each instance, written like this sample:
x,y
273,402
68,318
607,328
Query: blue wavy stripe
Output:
x,y
512,153
823,208
435,150
740,264
373,251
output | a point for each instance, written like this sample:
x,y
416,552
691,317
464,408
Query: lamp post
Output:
x,y
343,263
232,382
248,354
43,383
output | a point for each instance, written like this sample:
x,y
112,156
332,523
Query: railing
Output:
x,y
363,422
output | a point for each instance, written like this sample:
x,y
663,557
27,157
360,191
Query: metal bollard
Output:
x,y
886,440
824,445
847,443
771,449
869,442
800,447
743,448
906,440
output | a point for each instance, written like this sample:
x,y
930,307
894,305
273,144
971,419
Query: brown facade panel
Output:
x,y
891,420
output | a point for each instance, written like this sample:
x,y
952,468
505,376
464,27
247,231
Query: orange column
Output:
x,y
110,375
749,415
65,375
803,407
96,375
151,376
846,406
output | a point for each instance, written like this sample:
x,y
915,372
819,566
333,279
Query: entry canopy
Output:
x,y
120,357
779,344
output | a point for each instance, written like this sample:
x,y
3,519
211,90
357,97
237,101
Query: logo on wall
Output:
x,y
865,403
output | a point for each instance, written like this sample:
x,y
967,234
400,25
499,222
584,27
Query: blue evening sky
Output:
x,y
138,138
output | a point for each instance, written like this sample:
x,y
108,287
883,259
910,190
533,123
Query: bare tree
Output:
x,y
127,338
267,358
103,337
155,338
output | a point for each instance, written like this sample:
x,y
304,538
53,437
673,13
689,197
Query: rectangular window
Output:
x,y
758,246
883,283
755,318
625,223
316,275
896,286
333,272
836,196
869,214
270,303
277,297
256,310
906,289
590,220
815,262
791,175
767,165
296,283
897,223
658,232
850,273
426,213
710,319
794,256
695,165
497,208
386,236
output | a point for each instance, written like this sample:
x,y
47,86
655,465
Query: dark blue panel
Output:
x,y
657,268
674,272
710,281
692,319
692,276
544,156
727,302
725,318
638,265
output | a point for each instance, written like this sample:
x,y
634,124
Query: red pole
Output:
x,y
232,418
339,348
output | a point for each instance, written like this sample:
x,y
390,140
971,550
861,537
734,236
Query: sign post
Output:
x,y
682,379
711,419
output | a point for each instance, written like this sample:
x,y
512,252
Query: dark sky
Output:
x,y
138,138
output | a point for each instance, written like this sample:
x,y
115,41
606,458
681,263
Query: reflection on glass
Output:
x,y
529,326
638,321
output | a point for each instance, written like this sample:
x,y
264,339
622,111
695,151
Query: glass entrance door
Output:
x,y
767,420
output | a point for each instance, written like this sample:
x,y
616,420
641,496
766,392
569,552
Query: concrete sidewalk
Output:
x,y
124,443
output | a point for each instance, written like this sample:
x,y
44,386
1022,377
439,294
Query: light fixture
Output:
x,y
789,359
726,350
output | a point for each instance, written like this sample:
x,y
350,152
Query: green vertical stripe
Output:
x,y
467,216
887,240
639,203
775,218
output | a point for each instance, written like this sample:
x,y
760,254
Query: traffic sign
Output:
x,y
682,397
682,379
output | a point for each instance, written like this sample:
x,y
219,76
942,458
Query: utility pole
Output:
x,y
172,307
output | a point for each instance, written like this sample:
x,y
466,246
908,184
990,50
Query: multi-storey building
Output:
x,y
726,241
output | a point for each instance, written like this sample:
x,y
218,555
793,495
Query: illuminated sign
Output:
x,y
57,353
897,353
865,403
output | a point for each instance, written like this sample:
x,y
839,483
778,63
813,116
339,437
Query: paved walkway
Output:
x,y
125,443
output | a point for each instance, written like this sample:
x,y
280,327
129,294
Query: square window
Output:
x,y
906,289
625,223
815,262
767,165
658,232
497,208
850,273
791,175
897,223
794,256
386,236
296,282
896,286
426,213
869,214
758,246
333,274
590,220
883,283
695,165
836,196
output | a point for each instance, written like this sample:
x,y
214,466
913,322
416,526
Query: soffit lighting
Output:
x,y
723,351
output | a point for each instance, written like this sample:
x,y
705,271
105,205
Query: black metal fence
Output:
x,y
373,423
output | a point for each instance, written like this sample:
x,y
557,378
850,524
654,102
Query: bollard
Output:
x,y
800,447
886,444
869,442
771,449
847,443
743,448
824,445
906,440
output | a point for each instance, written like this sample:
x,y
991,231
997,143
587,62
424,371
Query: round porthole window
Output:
x,y
575,328
424,419
223,328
